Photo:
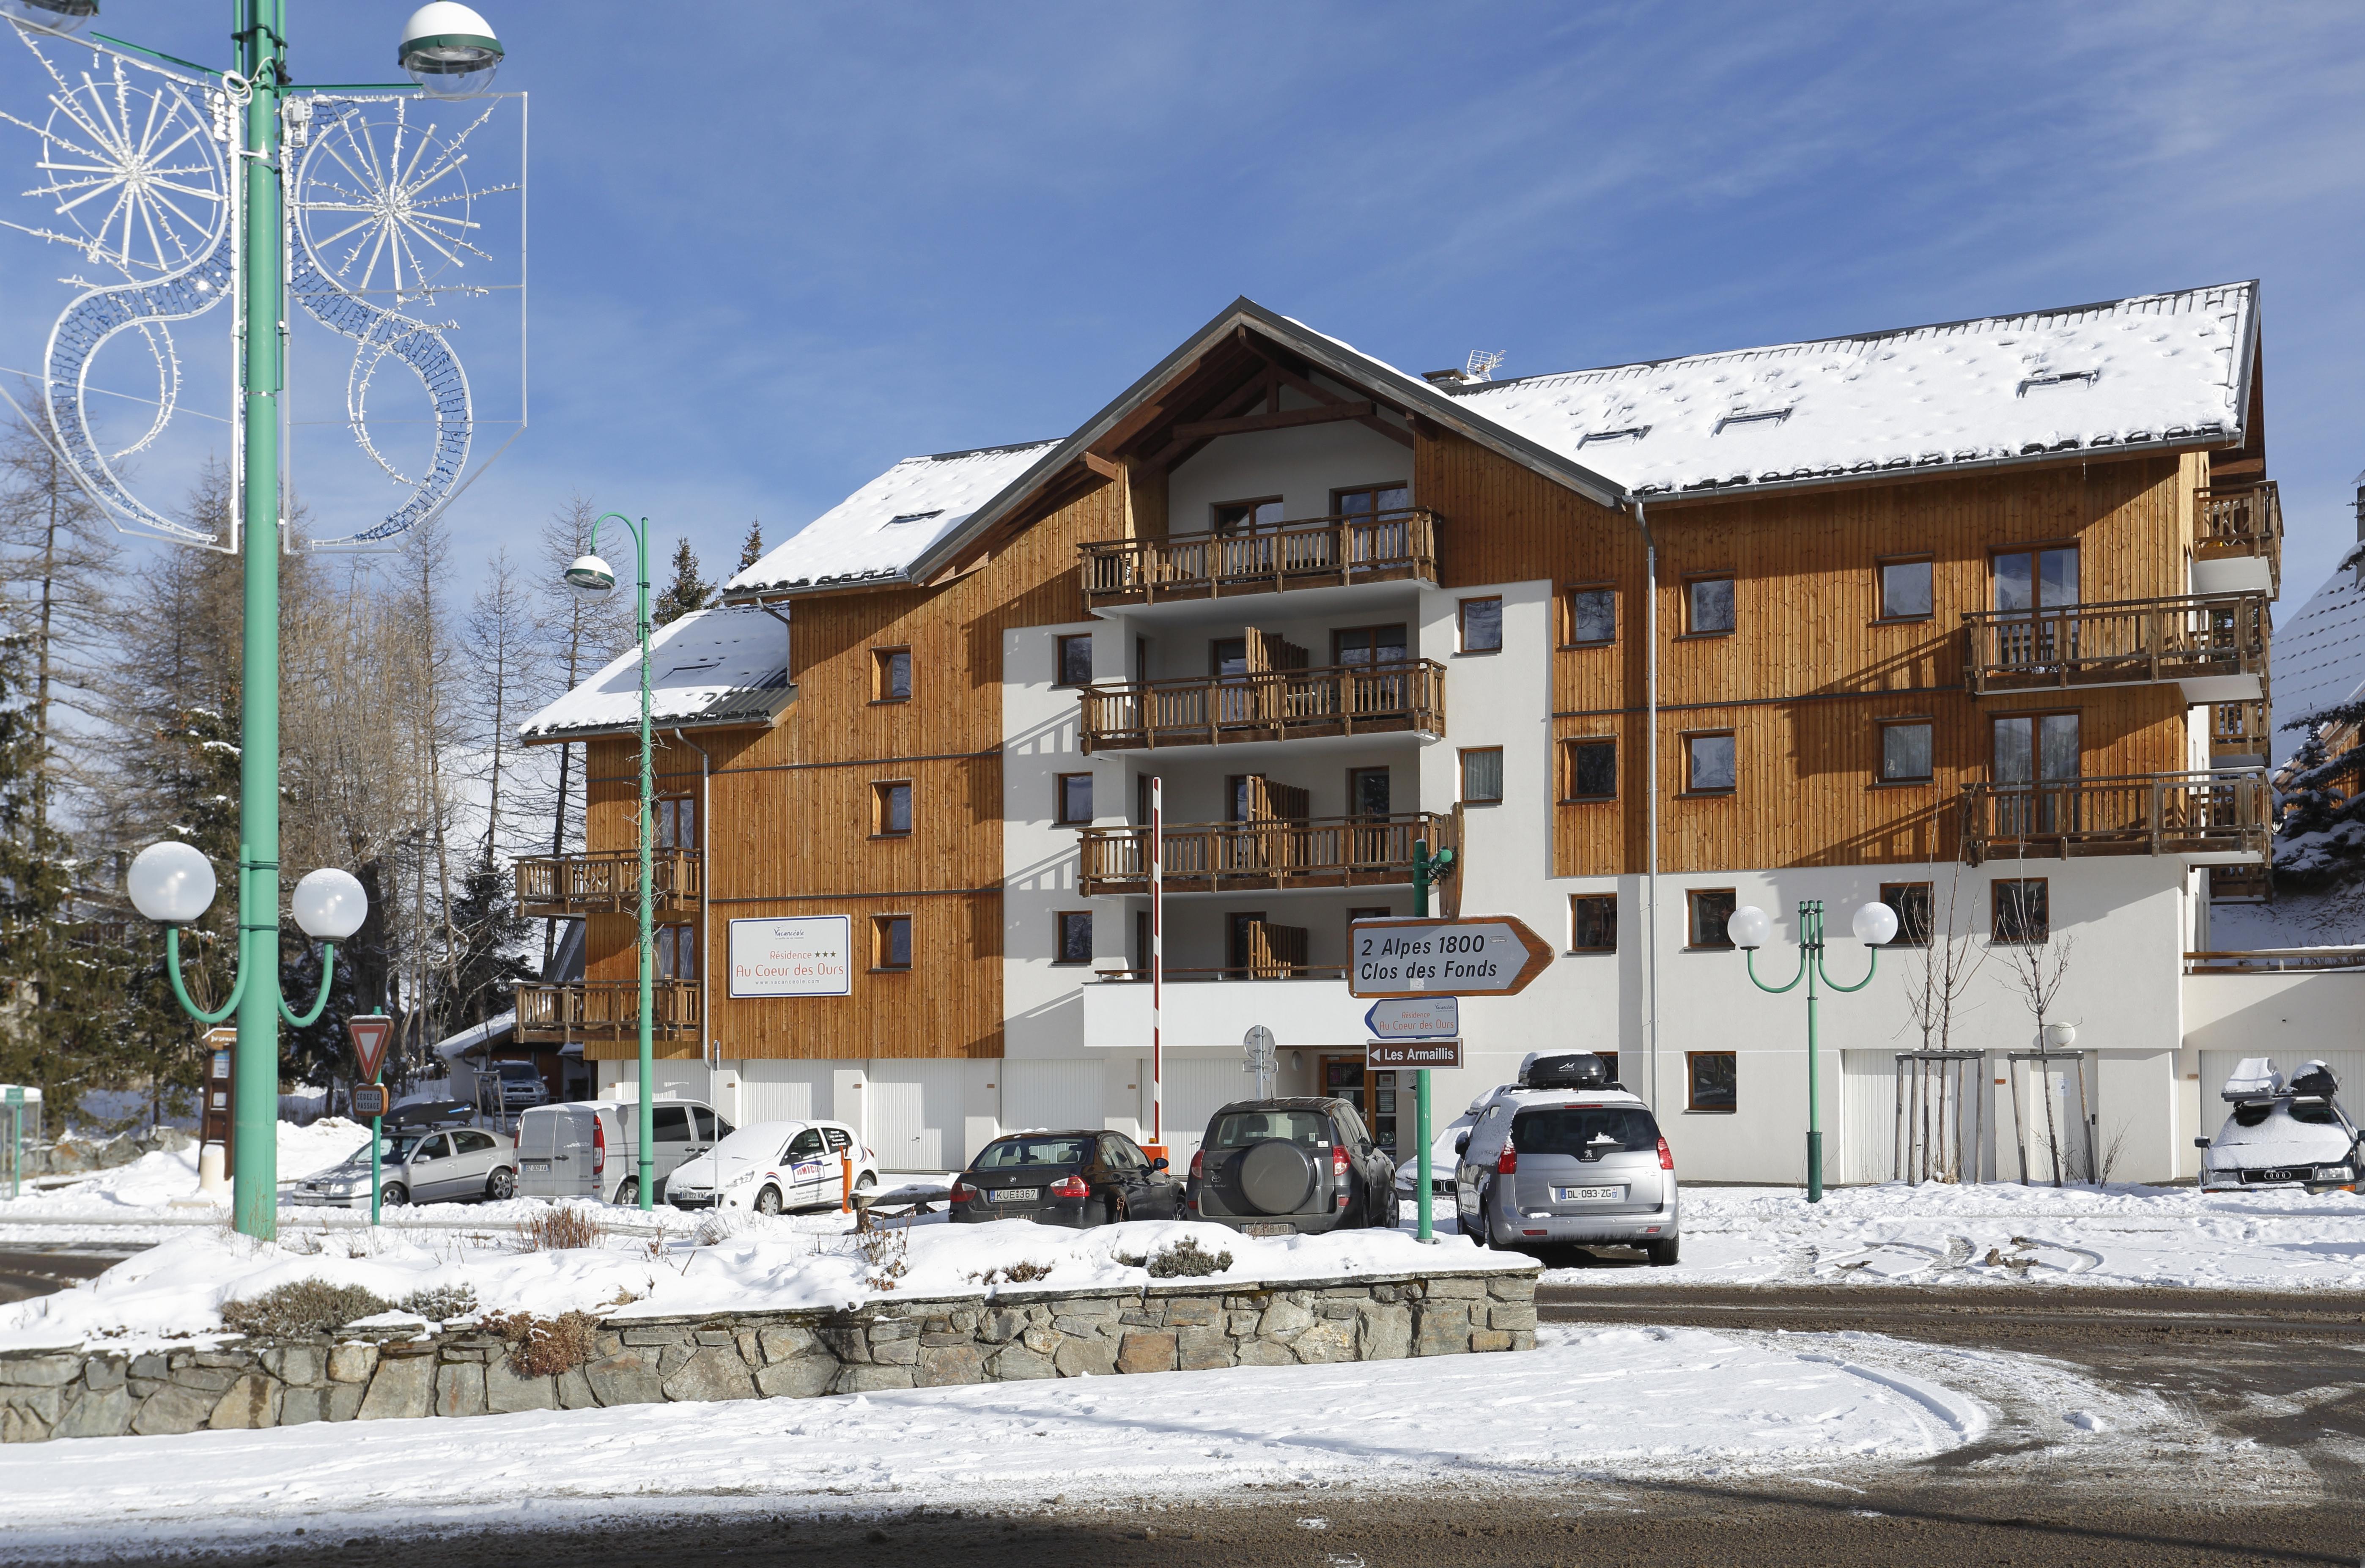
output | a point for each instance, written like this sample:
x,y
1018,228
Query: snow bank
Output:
x,y
155,1180
175,1290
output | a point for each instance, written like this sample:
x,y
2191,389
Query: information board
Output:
x,y
805,955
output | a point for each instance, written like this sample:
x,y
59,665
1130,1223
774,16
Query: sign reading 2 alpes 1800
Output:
x,y
806,955
1482,956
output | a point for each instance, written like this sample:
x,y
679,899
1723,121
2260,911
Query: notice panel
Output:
x,y
1401,1054
806,955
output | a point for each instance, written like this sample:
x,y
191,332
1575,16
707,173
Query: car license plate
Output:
x,y
1268,1230
539,1167
1015,1196
1588,1194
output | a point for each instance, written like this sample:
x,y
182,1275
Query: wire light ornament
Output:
x,y
386,238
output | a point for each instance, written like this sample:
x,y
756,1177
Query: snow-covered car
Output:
x,y
1566,1159
452,1166
1443,1149
2282,1134
771,1167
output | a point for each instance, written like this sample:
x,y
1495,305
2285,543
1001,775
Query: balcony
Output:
x,y
1267,705
2206,818
2240,734
609,883
2236,524
2216,646
1316,852
1322,551
606,1010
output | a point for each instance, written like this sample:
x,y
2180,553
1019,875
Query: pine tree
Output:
x,y
751,550
2320,834
688,591
483,981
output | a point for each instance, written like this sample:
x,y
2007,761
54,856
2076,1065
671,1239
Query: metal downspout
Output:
x,y
712,1047
1650,750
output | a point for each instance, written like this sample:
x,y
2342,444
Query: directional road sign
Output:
x,y
1473,956
1415,1018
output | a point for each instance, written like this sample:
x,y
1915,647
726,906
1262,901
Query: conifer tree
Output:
x,y
686,593
751,550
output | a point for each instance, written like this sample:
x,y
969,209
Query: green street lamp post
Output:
x,y
449,51
1426,868
1874,924
593,579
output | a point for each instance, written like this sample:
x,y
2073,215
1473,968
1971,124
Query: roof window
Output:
x,y
2059,378
1599,438
1751,417
913,517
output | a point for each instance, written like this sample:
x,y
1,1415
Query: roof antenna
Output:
x,y
1482,362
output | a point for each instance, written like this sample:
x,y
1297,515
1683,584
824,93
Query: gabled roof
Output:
x,y
2319,657
727,665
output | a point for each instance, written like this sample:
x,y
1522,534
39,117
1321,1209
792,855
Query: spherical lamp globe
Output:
x,y
2059,1036
591,577
449,51
172,884
329,904
1748,926
52,15
1875,925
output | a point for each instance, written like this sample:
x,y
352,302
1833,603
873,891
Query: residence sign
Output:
x,y
1487,956
809,955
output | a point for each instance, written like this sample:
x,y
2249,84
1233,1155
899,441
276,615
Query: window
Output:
x,y
1248,517
1368,501
1905,592
891,675
472,1142
1075,798
891,808
1910,901
1240,932
676,952
1593,922
1482,776
1379,911
1075,660
1905,752
2036,747
2035,579
670,1124
2022,911
1228,657
1482,625
1708,763
1712,1079
1368,792
806,1145
1075,929
1711,908
676,818
1368,646
1708,607
1590,617
890,941
1592,770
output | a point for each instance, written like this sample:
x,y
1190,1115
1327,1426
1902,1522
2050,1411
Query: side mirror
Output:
x,y
1462,1143
1158,1165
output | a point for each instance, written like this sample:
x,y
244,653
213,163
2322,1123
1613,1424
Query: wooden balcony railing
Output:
x,y
1316,551
1318,852
2159,814
2240,729
2131,643
608,882
2274,960
606,1010
2240,520
1341,700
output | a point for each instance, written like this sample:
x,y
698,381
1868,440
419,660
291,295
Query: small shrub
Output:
x,y
544,1347
438,1303
301,1307
1186,1260
885,1248
1020,1273
560,1229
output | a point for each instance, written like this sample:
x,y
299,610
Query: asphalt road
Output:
x,y
25,1273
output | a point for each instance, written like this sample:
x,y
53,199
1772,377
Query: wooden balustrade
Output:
x,y
608,882
606,1010
1264,705
2240,520
2161,813
2131,643
1316,852
2241,729
1320,552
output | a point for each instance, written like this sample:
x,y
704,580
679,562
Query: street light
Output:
x,y
1874,923
593,579
447,49
51,15
173,884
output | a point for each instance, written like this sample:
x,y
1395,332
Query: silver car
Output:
x,y
451,1165
1547,1166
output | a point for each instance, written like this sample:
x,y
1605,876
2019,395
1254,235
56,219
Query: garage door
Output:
x,y
784,1091
1053,1095
1196,1087
915,1115
2216,1067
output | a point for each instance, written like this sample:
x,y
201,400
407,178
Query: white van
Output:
x,y
588,1148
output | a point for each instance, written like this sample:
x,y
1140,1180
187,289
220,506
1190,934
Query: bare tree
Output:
x,y
1940,967
2040,962
499,643
578,636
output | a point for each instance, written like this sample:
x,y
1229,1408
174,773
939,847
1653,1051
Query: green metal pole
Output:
x,y
1810,927
1425,1200
648,834
262,57
377,1137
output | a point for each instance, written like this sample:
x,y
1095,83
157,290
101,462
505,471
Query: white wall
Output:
x,y
1301,465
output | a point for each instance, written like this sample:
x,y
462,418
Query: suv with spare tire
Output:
x,y
1566,1157
1291,1166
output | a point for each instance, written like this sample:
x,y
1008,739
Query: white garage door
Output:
x,y
784,1091
1054,1095
1196,1087
915,1115
2216,1067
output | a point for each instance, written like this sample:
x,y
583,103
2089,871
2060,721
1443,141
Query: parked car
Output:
x,y
771,1167
588,1148
1292,1167
2283,1134
1444,1149
430,1165
1082,1178
505,1088
1564,1158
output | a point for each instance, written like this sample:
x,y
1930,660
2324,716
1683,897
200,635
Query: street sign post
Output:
x,y
371,1032
1415,1018
1491,956
1261,1056
15,1137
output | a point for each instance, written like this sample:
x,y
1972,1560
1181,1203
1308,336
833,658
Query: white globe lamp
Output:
x,y
1875,925
172,884
329,904
1748,926
449,51
52,15
2058,1037
591,577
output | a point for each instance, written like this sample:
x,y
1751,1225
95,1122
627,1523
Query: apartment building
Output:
x,y
1971,619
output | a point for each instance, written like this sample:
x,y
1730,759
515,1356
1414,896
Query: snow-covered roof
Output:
x,y
2319,657
2154,370
723,665
882,528
467,1040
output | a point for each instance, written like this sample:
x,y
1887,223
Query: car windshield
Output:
x,y
517,1069
1008,1153
759,1142
1593,1129
1237,1130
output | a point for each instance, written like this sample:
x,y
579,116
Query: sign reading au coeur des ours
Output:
x,y
804,955
1486,955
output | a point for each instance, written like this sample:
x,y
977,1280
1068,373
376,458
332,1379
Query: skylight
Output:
x,y
1595,438
2059,378
913,517
1751,417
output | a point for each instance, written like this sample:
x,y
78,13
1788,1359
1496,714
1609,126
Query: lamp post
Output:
x,y
594,579
1749,928
449,51
1426,868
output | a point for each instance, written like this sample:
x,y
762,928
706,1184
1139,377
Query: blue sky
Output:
x,y
797,243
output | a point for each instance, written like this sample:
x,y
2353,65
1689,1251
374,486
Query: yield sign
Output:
x,y
371,1031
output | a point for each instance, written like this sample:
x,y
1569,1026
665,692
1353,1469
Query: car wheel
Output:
x,y
629,1194
1663,1254
501,1184
865,1181
1395,1220
393,1195
767,1202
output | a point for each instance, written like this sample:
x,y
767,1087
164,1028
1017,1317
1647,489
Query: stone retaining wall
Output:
x,y
1005,1338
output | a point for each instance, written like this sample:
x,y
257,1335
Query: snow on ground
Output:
x,y
2333,918
148,1184
175,1290
1626,1400
1939,1235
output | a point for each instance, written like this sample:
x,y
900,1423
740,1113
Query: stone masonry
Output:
x,y
1008,1336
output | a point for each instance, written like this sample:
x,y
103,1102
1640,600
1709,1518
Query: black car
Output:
x,y
1077,1178
1295,1167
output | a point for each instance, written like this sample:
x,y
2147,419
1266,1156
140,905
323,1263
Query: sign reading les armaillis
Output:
x,y
1485,955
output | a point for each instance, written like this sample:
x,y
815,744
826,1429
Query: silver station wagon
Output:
x,y
1565,1157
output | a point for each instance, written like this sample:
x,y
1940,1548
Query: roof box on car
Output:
x,y
2255,1079
1578,1069
2314,1081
